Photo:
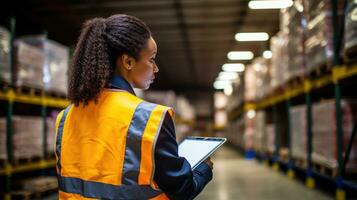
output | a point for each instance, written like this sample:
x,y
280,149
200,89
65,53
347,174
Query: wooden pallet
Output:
x,y
324,169
24,161
300,162
35,188
29,91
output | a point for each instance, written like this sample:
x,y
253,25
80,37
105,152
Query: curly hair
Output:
x,y
101,42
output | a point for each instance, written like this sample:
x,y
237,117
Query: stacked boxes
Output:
x,y
319,33
279,62
54,64
29,62
351,29
262,78
324,132
259,131
299,131
293,24
3,151
51,131
27,137
5,68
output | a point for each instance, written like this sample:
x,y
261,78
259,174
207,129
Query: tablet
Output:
x,y
198,149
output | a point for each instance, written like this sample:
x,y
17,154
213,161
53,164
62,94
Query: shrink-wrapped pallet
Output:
x,y
5,68
351,29
51,131
29,62
325,132
319,33
279,73
27,137
259,131
293,24
298,131
262,77
3,151
55,63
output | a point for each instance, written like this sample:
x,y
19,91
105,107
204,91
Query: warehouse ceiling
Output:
x,y
193,36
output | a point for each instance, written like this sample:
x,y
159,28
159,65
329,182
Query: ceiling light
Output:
x,y
240,55
257,36
270,4
233,67
267,54
219,84
227,76
251,114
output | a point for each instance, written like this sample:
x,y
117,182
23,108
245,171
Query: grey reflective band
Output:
x,y
132,158
59,137
91,189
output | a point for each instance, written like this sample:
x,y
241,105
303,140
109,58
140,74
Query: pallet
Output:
x,y
35,188
29,91
323,69
55,94
300,162
24,161
324,169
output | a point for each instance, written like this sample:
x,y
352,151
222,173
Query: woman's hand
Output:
x,y
209,162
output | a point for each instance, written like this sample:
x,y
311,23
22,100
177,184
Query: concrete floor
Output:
x,y
237,178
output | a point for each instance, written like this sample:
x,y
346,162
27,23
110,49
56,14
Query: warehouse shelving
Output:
x,y
11,97
303,92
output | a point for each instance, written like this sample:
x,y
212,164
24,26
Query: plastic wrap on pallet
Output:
x,y
55,66
28,65
262,77
279,73
3,151
5,68
298,131
319,33
293,24
259,131
351,29
324,130
27,137
269,143
249,84
51,131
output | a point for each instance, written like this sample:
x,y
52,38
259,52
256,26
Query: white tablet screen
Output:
x,y
195,150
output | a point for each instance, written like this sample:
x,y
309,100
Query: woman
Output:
x,y
111,144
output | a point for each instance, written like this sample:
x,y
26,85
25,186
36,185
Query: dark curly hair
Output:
x,y
101,42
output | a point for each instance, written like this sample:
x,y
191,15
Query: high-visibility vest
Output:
x,y
105,150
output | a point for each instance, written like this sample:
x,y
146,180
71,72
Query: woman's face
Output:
x,y
143,72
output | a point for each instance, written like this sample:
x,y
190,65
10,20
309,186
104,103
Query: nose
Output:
x,y
156,68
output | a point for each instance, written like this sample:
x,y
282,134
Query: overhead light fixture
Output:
x,y
220,84
267,54
270,4
240,55
254,36
227,76
251,114
233,67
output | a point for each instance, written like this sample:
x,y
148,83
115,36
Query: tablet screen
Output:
x,y
196,150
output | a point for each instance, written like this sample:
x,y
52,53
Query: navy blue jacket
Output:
x,y
173,174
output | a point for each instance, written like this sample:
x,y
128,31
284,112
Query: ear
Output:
x,y
128,61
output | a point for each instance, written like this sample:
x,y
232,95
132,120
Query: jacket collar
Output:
x,y
118,82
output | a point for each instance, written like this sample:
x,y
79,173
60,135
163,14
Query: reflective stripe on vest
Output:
x,y
138,166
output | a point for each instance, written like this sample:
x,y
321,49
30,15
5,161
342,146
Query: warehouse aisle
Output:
x,y
237,178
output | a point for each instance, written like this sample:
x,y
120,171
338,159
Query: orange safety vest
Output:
x,y
105,150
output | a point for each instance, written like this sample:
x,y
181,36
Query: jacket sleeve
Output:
x,y
173,174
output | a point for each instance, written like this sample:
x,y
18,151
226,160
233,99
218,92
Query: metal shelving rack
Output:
x,y
339,73
10,96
